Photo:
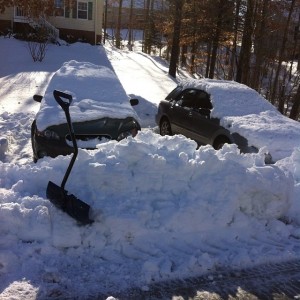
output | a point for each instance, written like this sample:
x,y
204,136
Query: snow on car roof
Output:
x,y
96,92
243,110
230,98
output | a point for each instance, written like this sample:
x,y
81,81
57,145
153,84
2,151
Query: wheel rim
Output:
x,y
165,128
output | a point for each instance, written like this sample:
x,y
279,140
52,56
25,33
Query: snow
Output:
x,y
242,110
162,209
96,93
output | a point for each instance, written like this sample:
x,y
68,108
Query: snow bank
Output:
x,y
143,191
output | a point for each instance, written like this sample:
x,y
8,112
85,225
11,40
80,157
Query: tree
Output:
x,y
119,22
130,24
243,67
33,8
260,45
296,105
175,50
280,59
146,33
223,20
236,25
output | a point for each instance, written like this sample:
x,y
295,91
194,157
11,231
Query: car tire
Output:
x,y
220,142
165,127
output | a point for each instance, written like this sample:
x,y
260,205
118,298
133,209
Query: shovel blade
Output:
x,y
70,204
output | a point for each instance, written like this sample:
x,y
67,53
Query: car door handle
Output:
x,y
190,114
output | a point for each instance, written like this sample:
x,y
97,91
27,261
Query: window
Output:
x,y
82,12
188,98
59,4
59,8
174,94
203,100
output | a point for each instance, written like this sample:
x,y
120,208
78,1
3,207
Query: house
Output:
x,y
80,21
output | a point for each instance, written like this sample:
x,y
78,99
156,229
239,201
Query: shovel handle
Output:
x,y
59,96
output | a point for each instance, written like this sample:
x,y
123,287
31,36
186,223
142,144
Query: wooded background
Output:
x,y
255,42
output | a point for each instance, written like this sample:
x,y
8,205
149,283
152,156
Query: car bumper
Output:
x,y
44,147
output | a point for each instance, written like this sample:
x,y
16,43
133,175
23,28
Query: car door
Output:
x,y
181,113
203,127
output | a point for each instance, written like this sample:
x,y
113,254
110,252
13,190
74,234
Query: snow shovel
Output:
x,y
73,206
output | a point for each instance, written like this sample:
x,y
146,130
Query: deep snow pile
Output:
x,y
162,209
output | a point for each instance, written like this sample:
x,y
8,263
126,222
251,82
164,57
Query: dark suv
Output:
x,y
187,111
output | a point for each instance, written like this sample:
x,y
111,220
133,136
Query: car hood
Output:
x,y
96,92
243,110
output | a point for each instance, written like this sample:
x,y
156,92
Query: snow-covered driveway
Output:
x,y
139,73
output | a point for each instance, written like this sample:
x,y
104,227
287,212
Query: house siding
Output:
x,y
87,30
6,20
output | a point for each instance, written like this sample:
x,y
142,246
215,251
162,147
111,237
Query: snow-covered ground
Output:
x,y
162,209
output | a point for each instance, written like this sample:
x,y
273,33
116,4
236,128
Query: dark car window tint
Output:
x,y
188,98
203,100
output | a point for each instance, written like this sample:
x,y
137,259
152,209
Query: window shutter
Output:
x,y
90,10
67,12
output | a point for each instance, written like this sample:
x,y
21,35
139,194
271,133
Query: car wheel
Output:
x,y
165,127
220,142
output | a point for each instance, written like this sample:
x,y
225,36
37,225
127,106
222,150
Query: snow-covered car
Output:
x,y
100,110
216,112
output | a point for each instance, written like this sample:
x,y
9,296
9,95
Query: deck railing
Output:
x,y
21,17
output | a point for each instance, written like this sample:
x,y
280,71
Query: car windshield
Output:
x,y
173,95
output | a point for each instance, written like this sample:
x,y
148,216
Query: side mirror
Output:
x,y
37,98
134,102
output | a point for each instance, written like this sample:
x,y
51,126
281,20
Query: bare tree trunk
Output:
x,y
208,58
296,105
105,22
234,42
193,51
175,50
118,31
259,50
216,38
245,54
280,60
183,55
130,25
146,27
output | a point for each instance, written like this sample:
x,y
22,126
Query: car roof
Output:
x,y
230,98
96,91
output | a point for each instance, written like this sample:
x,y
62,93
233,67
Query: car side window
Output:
x,y
188,98
203,100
